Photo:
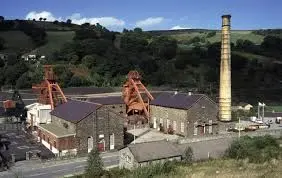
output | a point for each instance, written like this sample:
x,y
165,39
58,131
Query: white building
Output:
x,y
38,114
242,106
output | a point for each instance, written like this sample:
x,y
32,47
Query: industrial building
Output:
x,y
78,126
186,114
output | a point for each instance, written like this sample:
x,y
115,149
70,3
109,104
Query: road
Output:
x,y
56,169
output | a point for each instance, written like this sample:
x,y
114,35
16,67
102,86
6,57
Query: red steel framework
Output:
x,y
49,90
132,95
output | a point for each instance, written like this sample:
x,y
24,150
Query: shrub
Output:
x,y
94,164
188,155
211,34
153,170
257,149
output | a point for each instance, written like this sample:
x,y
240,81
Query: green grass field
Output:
x,y
274,108
235,35
15,41
56,39
251,56
228,168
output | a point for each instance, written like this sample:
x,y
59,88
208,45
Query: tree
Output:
x,y
188,155
56,22
33,20
2,19
163,47
40,18
2,42
44,19
94,164
138,30
69,21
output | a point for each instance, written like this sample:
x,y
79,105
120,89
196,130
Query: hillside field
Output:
x,y
235,35
55,40
15,41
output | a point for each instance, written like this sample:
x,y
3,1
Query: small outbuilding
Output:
x,y
143,154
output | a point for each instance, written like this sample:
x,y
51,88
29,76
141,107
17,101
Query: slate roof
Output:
x,y
85,90
56,130
74,110
179,100
111,100
156,150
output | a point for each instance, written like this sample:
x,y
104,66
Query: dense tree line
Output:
x,y
97,56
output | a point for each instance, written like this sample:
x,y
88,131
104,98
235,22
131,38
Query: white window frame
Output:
x,y
174,125
182,127
167,123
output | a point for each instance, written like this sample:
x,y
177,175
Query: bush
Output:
x,y
153,170
257,149
94,164
188,155
211,34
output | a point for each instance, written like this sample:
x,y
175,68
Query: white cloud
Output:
x,y
78,19
44,14
149,21
177,27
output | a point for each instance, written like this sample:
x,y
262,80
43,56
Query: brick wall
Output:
x,y
64,143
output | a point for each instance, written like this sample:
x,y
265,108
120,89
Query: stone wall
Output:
x,y
164,114
202,112
100,125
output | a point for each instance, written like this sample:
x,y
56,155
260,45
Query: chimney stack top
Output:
x,y
226,16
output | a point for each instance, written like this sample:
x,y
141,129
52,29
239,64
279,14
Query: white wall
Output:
x,y
40,112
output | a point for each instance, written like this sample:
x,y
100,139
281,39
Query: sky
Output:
x,y
151,14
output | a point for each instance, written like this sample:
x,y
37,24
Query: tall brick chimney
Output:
x,y
225,72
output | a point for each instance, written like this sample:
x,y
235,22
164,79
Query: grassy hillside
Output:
x,y
55,40
235,35
228,168
15,41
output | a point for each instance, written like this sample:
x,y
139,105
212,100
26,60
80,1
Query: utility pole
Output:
x,y
263,112
239,133
258,111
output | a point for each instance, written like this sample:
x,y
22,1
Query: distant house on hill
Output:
x,y
242,106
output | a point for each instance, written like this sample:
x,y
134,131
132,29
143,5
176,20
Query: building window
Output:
x,y
182,127
167,123
161,121
43,137
174,125
113,107
120,106
48,140
120,112
55,146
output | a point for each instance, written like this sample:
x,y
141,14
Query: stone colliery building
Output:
x,y
185,114
78,127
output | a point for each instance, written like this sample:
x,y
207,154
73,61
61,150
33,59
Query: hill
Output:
x,y
183,59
